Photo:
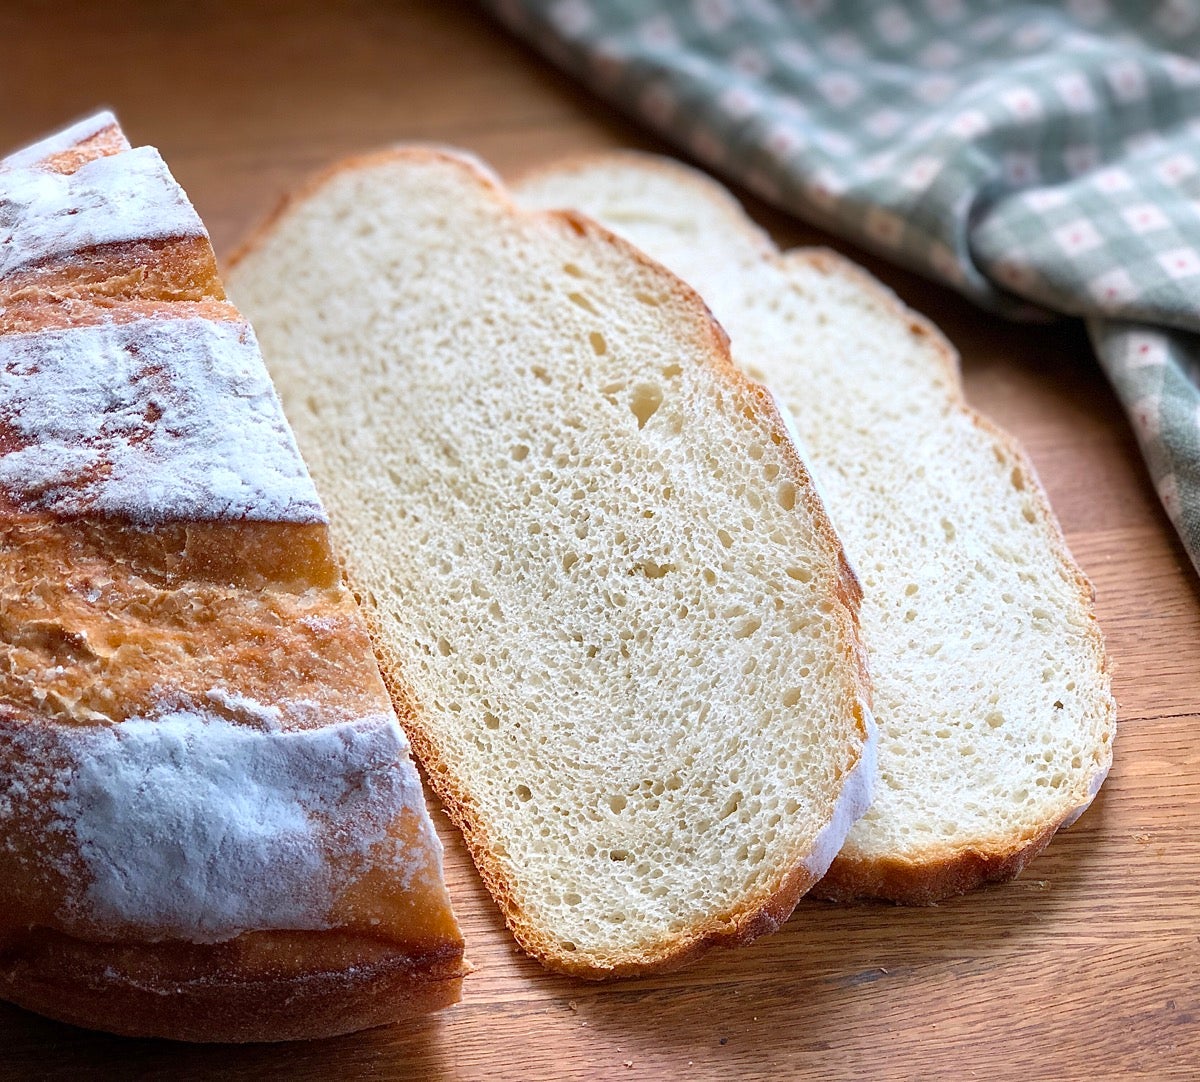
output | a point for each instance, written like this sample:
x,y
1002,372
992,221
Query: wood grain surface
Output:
x,y
1084,968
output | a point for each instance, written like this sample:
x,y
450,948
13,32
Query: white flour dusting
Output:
x,y
111,200
192,827
152,420
246,709
77,133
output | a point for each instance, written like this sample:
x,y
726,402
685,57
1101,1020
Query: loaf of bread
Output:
x,y
614,617
210,825
991,688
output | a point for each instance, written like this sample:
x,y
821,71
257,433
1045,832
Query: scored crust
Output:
x,y
753,917
223,621
941,870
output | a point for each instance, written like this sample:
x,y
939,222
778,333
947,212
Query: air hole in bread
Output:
x,y
731,805
748,628
540,373
520,452
786,495
599,345
523,793
583,301
647,397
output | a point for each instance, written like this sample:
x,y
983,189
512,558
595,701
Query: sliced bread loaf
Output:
x,y
991,688
617,623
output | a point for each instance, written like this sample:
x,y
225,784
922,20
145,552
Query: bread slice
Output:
x,y
210,825
614,616
991,688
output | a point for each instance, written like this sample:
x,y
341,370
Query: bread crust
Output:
x,y
215,603
942,871
927,882
768,909
178,991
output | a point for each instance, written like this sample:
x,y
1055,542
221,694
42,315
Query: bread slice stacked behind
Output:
x,y
210,826
615,618
991,687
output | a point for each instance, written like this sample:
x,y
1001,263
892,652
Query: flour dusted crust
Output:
x,y
150,419
210,827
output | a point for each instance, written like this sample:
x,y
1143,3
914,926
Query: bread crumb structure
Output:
x,y
991,686
613,614
210,826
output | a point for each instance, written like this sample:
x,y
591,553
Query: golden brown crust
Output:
x,y
95,616
770,908
172,269
107,141
191,993
941,874
927,882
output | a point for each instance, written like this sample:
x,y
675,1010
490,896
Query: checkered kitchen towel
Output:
x,y
1034,156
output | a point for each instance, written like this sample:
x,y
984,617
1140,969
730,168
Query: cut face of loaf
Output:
x,y
991,689
614,616
210,825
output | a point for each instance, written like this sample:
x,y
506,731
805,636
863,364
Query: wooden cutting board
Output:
x,y
1084,968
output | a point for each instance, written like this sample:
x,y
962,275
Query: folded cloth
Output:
x,y
1039,158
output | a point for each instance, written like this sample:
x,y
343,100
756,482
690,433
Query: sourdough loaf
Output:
x,y
991,687
210,825
612,613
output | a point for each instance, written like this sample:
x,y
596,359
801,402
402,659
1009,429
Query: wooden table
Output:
x,y
1084,968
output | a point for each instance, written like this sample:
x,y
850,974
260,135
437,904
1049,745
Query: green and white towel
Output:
x,y
1036,157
